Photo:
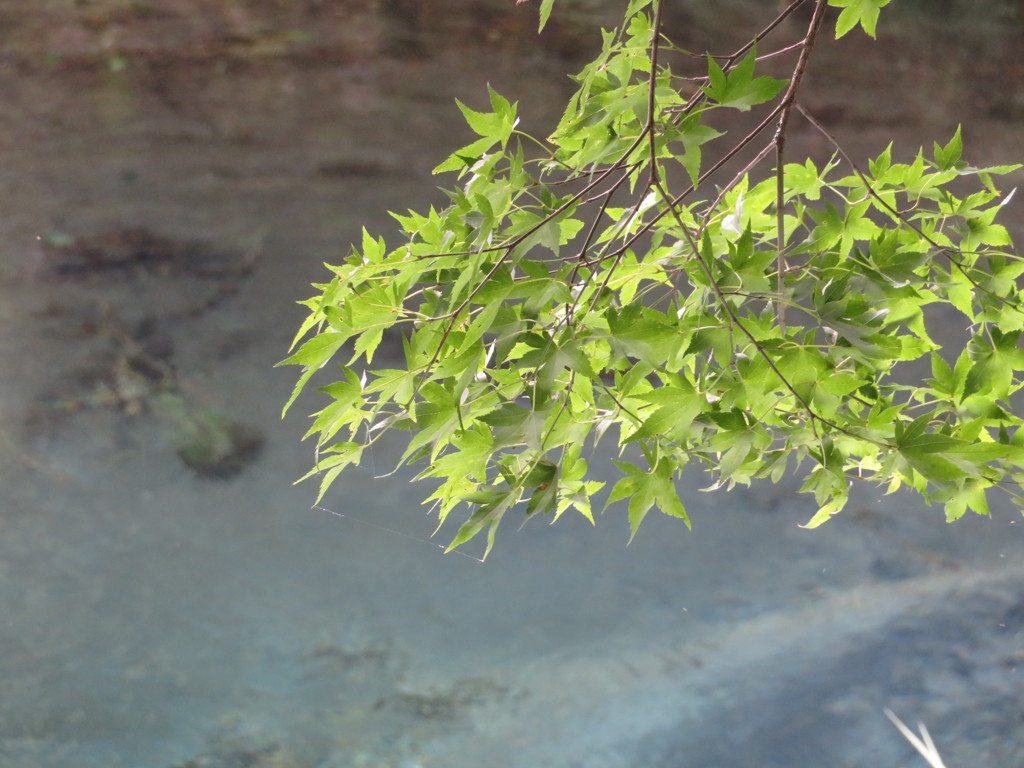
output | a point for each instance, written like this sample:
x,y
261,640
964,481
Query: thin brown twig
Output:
x,y
652,87
648,131
780,146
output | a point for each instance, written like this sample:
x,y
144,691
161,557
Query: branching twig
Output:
x,y
786,107
900,215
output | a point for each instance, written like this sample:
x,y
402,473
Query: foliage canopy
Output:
x,y
696,297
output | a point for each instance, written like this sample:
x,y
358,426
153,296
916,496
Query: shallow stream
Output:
x,y
172,177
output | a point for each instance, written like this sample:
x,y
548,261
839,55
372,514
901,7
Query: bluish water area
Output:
x,y
156,613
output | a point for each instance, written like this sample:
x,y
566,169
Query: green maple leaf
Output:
x,y
863,13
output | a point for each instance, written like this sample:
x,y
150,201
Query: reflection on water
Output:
x,y
173,181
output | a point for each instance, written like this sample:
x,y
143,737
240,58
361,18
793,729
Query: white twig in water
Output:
x,y
924,744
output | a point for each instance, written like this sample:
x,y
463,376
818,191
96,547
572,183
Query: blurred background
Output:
x,y
173,175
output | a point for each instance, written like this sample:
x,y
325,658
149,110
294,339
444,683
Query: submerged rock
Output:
x,y
210,443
